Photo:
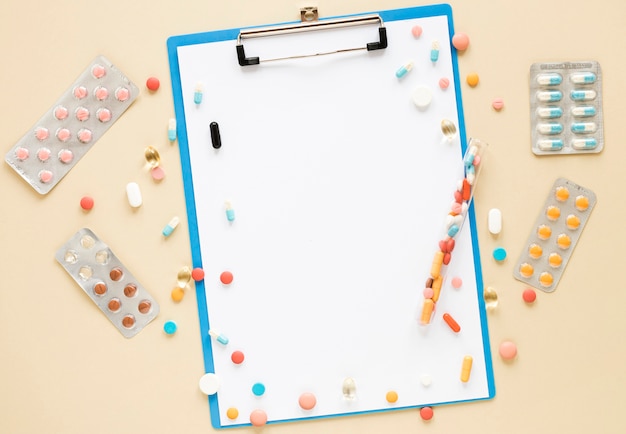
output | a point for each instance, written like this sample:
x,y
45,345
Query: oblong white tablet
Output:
x,y
134,194
495,221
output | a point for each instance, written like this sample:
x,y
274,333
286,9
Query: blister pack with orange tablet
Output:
x,y
555,235
64,134
108,283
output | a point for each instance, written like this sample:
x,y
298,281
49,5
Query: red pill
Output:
x,y
529,295
153,83
451,322
446,258
426,413
237,357
458,196
86,203
450,245
226,277
466,189
197,274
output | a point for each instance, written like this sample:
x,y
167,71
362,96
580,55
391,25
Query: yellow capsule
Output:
x,y
564,241
427,311
152,156
546,279
553,212
491,298
466,369
572,221
555,260
535,251
544,232
437,284
435,269
526,270
184,277
562,193
582,203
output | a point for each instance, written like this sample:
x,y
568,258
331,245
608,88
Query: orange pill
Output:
x,y
435,269
544,232
572,221
546,279
555,260
427,311
526,270
451,322
582,203
437,284
178,294
472,79
564,241
535,251
553,212
561,194
467,190
466,368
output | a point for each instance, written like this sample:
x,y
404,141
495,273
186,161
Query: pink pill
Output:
x,y
122,94
307,401
63,134
98,71
41,133
428,293
104,115
82,114
43,154
444,83
45,176
60,113
476,161
456,208
21,154
508,350
84,135
460,41
80,92
157,173
457,282
101,93
497,104
417,31
65,156
258,418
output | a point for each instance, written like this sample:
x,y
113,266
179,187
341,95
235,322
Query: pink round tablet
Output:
x,y
122,94
63,134
460,41
497,104
476,161
197,274
428,293
427,413
417,31
82,114
529,295
21,153
43,154
45,176
60,112
41,133
444,83
157,173
101,93
84,135
98,71
65,156
80,92
86,203
508,350
258,418
307,401
104,115
457,282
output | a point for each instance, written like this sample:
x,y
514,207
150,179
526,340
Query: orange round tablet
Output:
x,y
472,79
562,194
564,241
553,212
535,251
232,413
572,221
392,396
544,232
582,203
546,279
555,260
178,294
526,270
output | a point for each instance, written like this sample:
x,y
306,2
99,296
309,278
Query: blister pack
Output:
x,y
104,278
566,108
554,235
64,134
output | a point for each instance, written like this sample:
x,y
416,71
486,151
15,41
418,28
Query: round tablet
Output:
x,y
529,295
561,193
43,154
45,176
209,384
104,115
417,31
237,357
422,96
544,232
21,153
391,397
116,274
508,350
197,274
582,203
426,413
535,251
41,133
65,156
226,277
460,41
232,413
128,321
122,94
145,306
553,212
546,279
63,134
114,304
157,173
457,282
100,288
80,92
178,294
526,270
101,93
258,418
472,79
98,71
307,401
258,389
572,221
497,104
444,83
555,260
170,328
428,293
153,83
84,135
86,203
499,254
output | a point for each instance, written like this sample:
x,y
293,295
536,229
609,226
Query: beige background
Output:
x,y
65,369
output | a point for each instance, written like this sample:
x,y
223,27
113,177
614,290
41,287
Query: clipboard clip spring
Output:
x,y
311,25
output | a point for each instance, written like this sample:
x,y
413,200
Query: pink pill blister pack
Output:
x,y
108,283
64,134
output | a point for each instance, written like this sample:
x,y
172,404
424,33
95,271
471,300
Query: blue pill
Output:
x,y
499,254
170,327
258,389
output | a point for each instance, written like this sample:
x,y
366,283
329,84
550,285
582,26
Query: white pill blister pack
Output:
x,y
566,108
108,283
64,134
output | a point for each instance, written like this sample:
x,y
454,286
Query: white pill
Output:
x,y
422,96
209,384
495,221
134,194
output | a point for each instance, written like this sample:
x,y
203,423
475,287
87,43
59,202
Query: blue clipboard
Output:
x,y
339,184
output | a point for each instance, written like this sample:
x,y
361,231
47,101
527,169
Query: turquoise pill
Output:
x,y
499,254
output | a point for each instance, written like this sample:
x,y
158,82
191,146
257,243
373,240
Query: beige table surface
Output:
x,y
65,369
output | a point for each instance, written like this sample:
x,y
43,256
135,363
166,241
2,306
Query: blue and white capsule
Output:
x,y
583,78
584,111
583,95
198,93
550,128
550,145
230,212
171,130
549,112
551,79
550,95
434,51
169,228
583,127
582,144
404,70
219,337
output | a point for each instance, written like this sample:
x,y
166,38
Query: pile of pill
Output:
x,y
554,235
566,108
95,268
454,221
57,141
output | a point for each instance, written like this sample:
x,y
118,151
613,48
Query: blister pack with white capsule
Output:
x,y
566,108
108,283
64,134
554,235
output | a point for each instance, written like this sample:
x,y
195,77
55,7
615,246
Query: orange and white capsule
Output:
x,y
466,368
427,311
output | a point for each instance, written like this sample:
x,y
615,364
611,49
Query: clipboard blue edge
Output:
x,y
231,34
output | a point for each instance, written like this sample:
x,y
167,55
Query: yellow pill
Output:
x,y
472,79
546,279
427,311
582,203
562,194
435,269
178,294
572,221
544,232
437,284
466,369
553,212
535,251
526,270
232,413
392,396
555,260
564,241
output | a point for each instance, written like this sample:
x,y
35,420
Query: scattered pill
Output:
x,y
237,357
171,129
460,41
434,51
499,254
307,401
428,293
218,337
466,368
416,31
170,327
497,104
529,295
451,322
392,397
348,389
184,276
216,138
422,97
508,350
177,294
258,389
472,79
491,298
258,418
86,203
226,277
157,173
209,383
230,212
526,269
153,83
133,194
426,380
404,69
550,79
448,129
197,274
457,282
152,156
583,78
232,413
197,93
169,228
494,221
444,83
426,413
427,311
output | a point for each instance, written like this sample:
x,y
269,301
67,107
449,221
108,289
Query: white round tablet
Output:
x,y
422,96
209,384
